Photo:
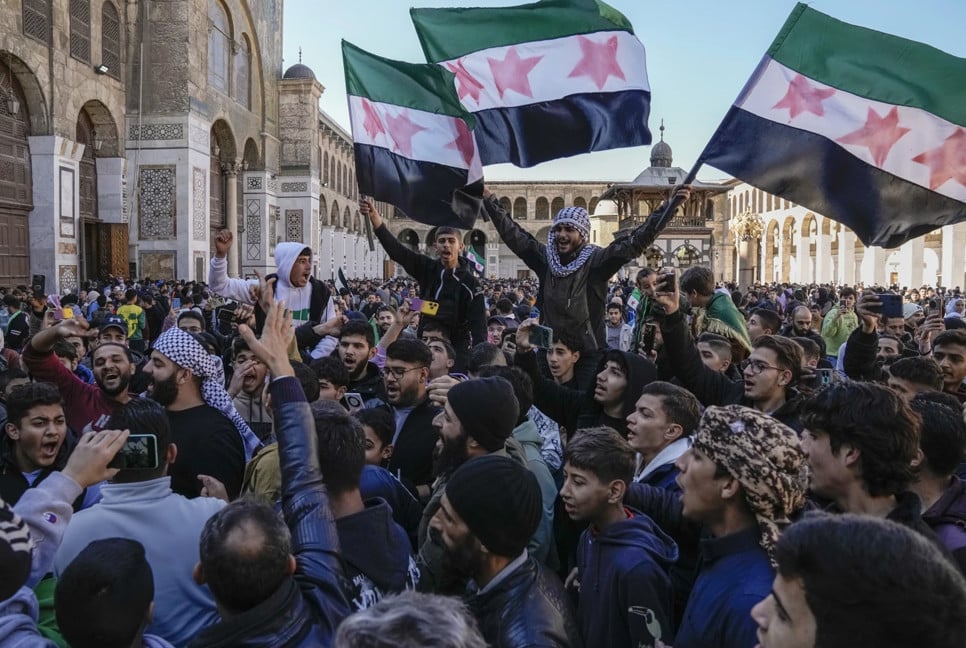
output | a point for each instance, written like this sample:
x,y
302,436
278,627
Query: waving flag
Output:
x,y
863,127
545,80
413,141
477,262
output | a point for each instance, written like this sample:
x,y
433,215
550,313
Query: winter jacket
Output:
x,y
413,446
947,517
836,329
619,337
457,291
371,386
526,608
375,554
709,386
137,510
789,331
625,590
307,608
259,418
573,409
576,302
661,472
527,435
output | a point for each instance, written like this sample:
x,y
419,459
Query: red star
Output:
x,y
401,130
373,122
802,97
464,142
511,73
599,61
947,161
465,83
878,135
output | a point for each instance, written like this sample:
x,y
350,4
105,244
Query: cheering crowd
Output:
x,y
446,460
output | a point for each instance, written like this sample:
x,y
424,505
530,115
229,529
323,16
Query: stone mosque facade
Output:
x,y
130,132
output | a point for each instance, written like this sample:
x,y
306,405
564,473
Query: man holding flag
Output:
x,y
446,280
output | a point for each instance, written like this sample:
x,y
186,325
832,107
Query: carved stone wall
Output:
x,y
199,203
293,224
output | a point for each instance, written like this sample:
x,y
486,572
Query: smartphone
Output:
x,y
424,306
67,312
666,283
139,452
354,401
891,305
176,303
226,314
541,336
823,377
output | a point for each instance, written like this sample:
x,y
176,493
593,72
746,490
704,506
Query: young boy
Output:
x,y
623,557
380,427
659,430
333,378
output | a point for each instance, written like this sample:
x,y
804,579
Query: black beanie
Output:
x,y
499,500
487,409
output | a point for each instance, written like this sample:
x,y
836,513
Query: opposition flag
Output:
x,y
341,283
545,80
863,127
413,141
477,262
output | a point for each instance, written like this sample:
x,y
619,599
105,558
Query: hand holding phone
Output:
x,y
139,452
424,306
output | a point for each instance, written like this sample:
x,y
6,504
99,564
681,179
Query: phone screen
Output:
x,y
541,336
139,452
176,303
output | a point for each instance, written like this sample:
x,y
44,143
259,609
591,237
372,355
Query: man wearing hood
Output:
x,y
623,557
446,280
375,550
308,298
609,400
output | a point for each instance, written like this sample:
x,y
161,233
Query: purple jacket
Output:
x,y
947,517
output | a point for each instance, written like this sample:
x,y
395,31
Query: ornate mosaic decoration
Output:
x,y
199,200
157,205
68,277
292,187
293,225
253,183
156,132
253,228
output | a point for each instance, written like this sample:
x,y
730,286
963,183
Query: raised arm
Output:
x,y
416,264
624,249
531,251
218,280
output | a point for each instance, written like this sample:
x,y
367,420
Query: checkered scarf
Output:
x,y
15,550
182,349
765,456
577,218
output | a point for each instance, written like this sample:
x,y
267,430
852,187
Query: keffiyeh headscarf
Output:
x,y
15,552
185,351
579,219
765,456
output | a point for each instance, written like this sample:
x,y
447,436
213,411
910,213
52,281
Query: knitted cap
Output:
x,y
499,500
575,216
908,310
487,409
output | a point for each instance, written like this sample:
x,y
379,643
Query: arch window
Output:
x,y
580,202
325,168
520,209
243,73
80,30
219,46
505,204
556,205
111,40
543,209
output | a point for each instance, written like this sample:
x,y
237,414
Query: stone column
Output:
x,y
910,270
230,171
846,257
823,253
953,262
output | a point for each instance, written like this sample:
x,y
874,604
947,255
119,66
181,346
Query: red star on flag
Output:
x,y
464,142
373,122
803,97
401,130
599,61
465,83
947,161
511,73
879,134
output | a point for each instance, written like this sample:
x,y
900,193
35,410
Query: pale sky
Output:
x,y
699,55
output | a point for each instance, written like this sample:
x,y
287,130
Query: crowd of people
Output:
x,y
448,460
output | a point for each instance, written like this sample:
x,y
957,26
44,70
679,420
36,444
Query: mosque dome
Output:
x,y
661,152
605,208
299,71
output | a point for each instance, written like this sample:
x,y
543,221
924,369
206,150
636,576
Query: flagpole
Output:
x,y
662,217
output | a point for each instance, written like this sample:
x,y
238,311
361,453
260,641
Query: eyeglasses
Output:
x,y
399,372
755,367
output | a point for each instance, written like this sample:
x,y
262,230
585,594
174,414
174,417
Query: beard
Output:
x,y
463,561
164,392
452,455
123,383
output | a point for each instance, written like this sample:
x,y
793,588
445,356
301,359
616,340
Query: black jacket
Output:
x,y
573,409
789,331
307,608
457,291
371,386
860,361
412,454
528,608
709,386
575,302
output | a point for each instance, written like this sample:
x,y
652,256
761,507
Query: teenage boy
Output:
x,y
562,356
619,333
379,428
763,321
133,315
911,376
741,482
949,350
623,557
659,430
332,376
246,389
715,352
